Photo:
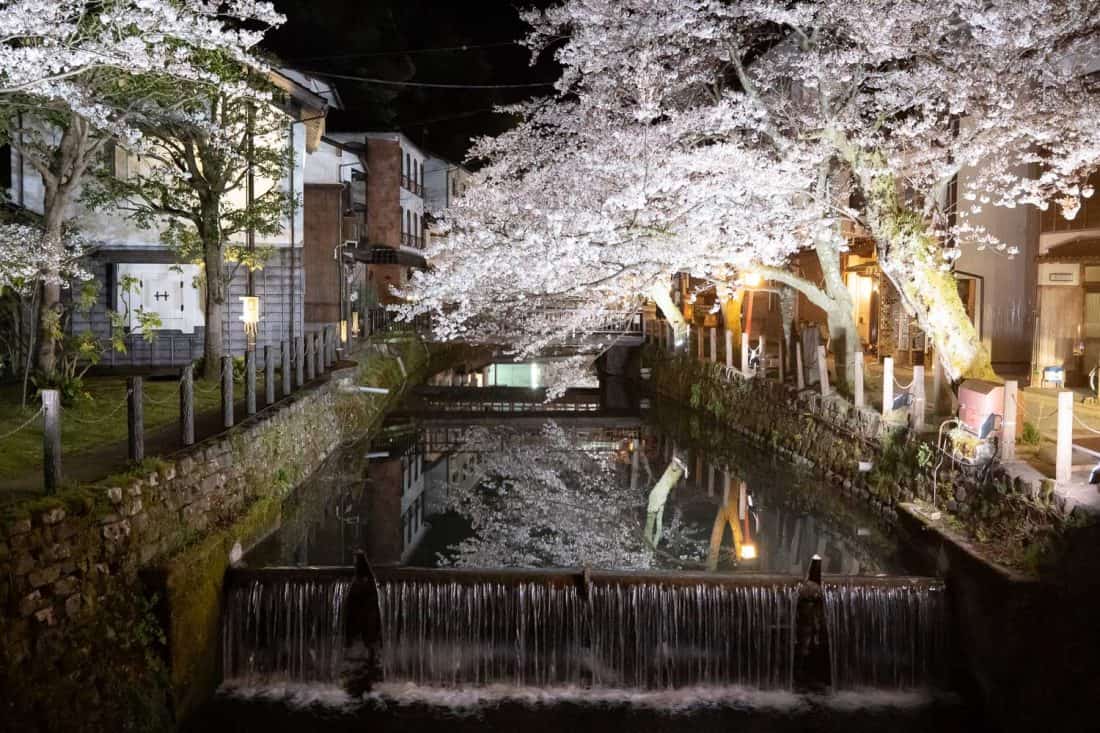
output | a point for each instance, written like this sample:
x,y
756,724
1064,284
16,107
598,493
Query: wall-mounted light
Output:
x,y
748,551
355,323
751,279
250,316
343,332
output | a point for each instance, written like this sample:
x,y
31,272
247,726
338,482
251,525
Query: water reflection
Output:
x,y
621,493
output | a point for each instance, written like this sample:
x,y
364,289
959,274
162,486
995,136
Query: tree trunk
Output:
x,y
912,257
49,302
660,295
843,332
213,345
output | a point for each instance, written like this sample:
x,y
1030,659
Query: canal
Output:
x,y
578,569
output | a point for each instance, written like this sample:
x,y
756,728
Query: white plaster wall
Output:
x,y
114,230
1008,291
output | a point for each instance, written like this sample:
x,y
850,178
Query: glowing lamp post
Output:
x,y
250,316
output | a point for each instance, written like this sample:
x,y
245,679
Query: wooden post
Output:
x,y
227,391
269,374
250,381
714,344
800,371
1064,453
135,419
745,353
1008,420
887,385
701,348
318,354
299,362
859,379
823,370
310,351
729,348
780,361
187,406
51,440
916,406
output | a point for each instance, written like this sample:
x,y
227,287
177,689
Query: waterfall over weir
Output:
x,y
539,628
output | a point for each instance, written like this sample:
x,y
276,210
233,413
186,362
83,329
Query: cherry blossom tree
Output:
x,y
68,84
705,136
202,148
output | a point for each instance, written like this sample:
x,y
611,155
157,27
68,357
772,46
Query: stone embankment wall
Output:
x,y
1026,638
75,620
837,437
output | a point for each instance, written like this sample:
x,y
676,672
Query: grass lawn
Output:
x,y
96,420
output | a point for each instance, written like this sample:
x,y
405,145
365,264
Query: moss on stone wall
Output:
x,y
69,564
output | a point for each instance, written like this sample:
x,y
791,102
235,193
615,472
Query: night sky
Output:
x,y
414,40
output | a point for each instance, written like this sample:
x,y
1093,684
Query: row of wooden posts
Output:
x,y
916,399
310,357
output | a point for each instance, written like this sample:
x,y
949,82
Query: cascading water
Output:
x,y
621,635
886,636
637,634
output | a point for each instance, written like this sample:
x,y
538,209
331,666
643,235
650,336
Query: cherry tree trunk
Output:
x,y
49,302
213,347
911,256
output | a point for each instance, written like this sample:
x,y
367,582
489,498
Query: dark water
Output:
x,y
533,492
580,492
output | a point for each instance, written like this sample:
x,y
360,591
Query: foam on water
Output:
x,y
684,700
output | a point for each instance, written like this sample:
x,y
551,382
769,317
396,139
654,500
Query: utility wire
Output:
x,y
409,52
431,85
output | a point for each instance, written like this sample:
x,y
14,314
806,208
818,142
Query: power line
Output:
x,y
430,85
409,52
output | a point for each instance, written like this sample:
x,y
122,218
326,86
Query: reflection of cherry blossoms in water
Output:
x,y
555,499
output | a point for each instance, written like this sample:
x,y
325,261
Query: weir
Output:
x,y
618,630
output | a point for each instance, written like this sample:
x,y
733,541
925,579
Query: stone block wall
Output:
x,y
61,556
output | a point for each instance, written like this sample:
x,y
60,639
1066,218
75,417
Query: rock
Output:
x,y
73,604
65,587
52,516
46,616
57,551
30,603
952,506
45,576
117,531
114,494
18,527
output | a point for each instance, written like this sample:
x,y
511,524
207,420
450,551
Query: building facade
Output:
x,y
135,269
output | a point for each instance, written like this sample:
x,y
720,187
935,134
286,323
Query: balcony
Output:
x,y
411,241
412,185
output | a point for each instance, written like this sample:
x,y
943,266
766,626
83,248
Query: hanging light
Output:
x,y
343,331
355,323
748,551
751,279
